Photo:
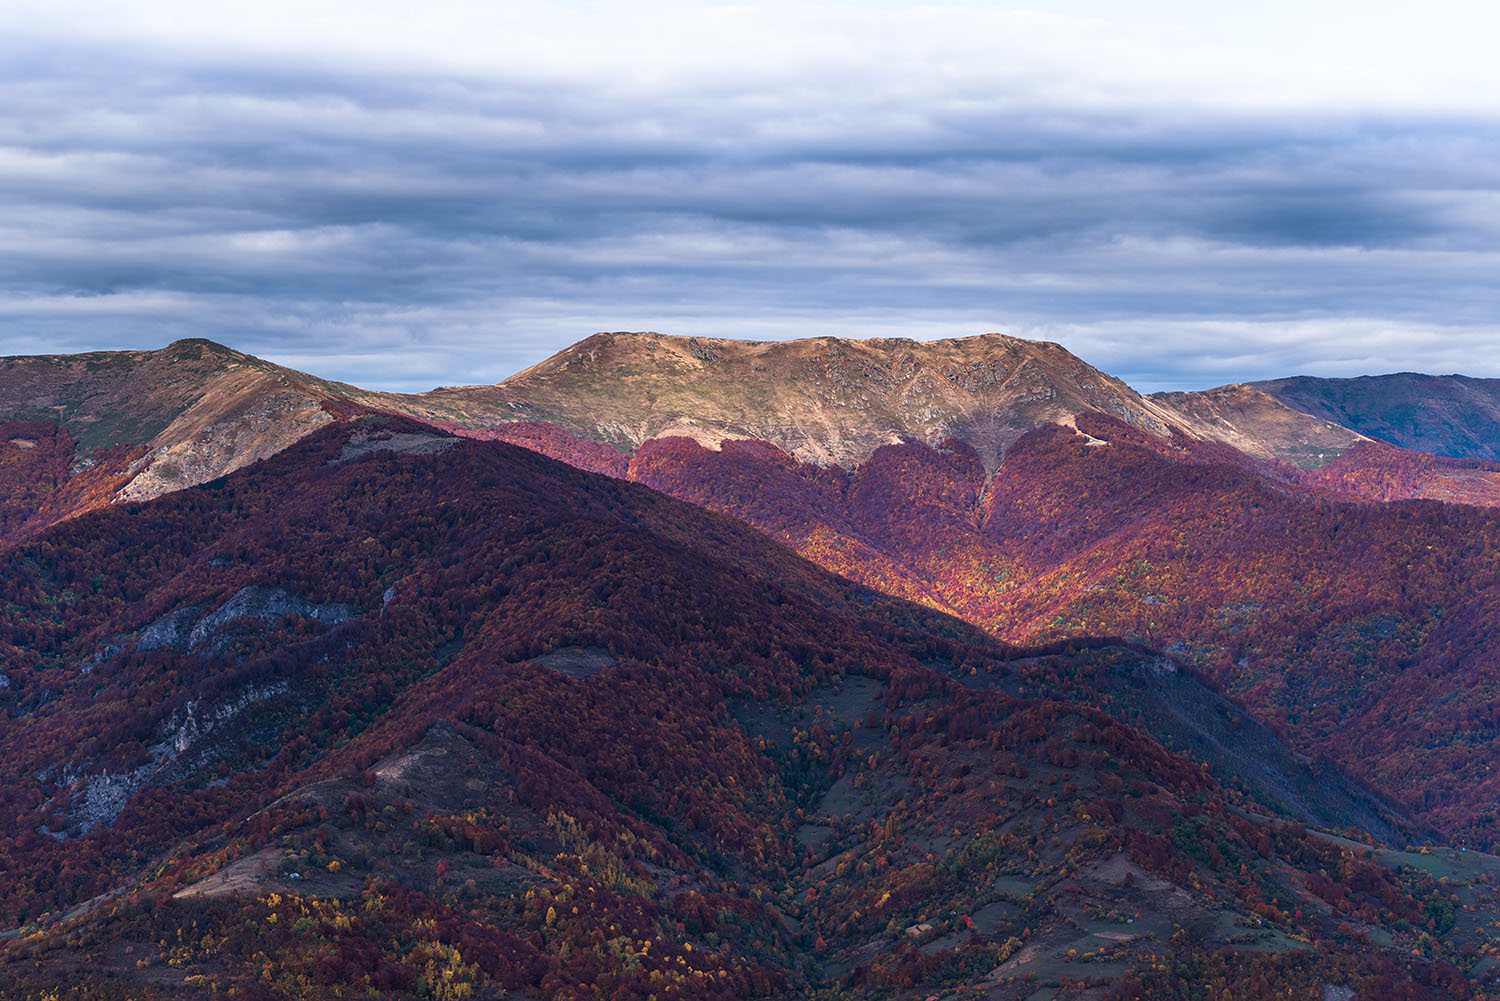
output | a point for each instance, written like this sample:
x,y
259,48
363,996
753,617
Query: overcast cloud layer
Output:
x,y
403,201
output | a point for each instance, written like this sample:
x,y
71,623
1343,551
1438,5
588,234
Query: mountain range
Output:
x,y
819,668
1450,415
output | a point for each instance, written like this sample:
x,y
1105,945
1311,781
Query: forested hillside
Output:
x,y
393,713
1354,628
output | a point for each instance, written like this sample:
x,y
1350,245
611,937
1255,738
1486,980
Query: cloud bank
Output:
x,y
403,199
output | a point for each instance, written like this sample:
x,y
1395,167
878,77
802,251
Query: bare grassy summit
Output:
x,y
1259,425
132,425
824,399
831,400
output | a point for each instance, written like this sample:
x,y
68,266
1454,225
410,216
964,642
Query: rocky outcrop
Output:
x,y
100,796
185,454
189,629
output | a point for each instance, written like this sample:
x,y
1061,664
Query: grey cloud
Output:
x,y
409,229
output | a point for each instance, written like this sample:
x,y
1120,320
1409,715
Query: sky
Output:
x,y
404,196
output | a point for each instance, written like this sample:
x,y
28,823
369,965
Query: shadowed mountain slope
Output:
x,y
1450,415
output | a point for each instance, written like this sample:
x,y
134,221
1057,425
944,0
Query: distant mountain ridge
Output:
x,y
1450,415
826,400
81,431
834,401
